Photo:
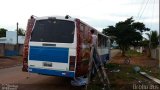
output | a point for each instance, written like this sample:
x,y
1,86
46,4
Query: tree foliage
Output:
x,y
153,39
3,32
127,33
21,32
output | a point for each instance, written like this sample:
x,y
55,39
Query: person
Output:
x,y
94,44
94,38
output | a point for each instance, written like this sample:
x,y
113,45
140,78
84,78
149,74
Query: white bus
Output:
x,y
60,46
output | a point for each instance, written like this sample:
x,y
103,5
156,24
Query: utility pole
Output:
x,y
159,38
17,38
159,50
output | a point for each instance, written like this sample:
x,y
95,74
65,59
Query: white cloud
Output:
x,y
91,11
150,20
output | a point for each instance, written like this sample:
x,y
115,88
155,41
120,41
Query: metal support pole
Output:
x,y
109,48
159,56
17,39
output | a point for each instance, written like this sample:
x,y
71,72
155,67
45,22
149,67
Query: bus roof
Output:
x,y
67,17
56,17
94,29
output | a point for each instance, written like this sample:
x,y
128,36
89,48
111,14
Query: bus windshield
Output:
x,y
53,30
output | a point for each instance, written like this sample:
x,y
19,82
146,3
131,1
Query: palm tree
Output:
x,y
153,40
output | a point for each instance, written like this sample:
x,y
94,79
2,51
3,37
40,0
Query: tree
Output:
x,y
152,40
21,32
3,32
128,33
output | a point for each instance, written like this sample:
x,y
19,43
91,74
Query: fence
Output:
x,y
155,54
10,50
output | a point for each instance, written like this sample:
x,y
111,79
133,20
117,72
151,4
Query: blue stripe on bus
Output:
x,y
52,72
51,54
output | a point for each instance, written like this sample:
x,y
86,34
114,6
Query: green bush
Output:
x,y
133,53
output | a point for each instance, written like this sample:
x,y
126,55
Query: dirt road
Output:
x,y
114,52
13,76
24,81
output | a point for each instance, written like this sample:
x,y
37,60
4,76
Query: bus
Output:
x,y
60,46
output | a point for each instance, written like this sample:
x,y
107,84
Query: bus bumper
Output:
x,y
52,72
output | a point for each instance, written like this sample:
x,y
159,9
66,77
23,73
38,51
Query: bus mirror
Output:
x,y
67,16
32,17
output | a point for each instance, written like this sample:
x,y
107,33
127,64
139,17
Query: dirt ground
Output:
x,y
12,78
142,60
6,62
126,77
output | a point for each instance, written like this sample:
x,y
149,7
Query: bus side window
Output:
x,y
103,40
99,40
85,33
108,42
81,27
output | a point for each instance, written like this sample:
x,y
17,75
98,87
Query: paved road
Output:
x,y
26,81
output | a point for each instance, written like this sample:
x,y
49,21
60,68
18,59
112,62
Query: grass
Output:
x,y
126,72
155,72
127,76
124,79
133,53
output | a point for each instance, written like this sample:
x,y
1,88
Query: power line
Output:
x,y
153,13
142,3
143,10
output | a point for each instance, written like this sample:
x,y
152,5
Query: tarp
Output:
x,y
79,81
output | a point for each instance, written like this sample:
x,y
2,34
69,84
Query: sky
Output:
x,y
97,13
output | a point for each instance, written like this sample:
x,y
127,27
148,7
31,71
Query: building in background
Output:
x,y
8,44
114,44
